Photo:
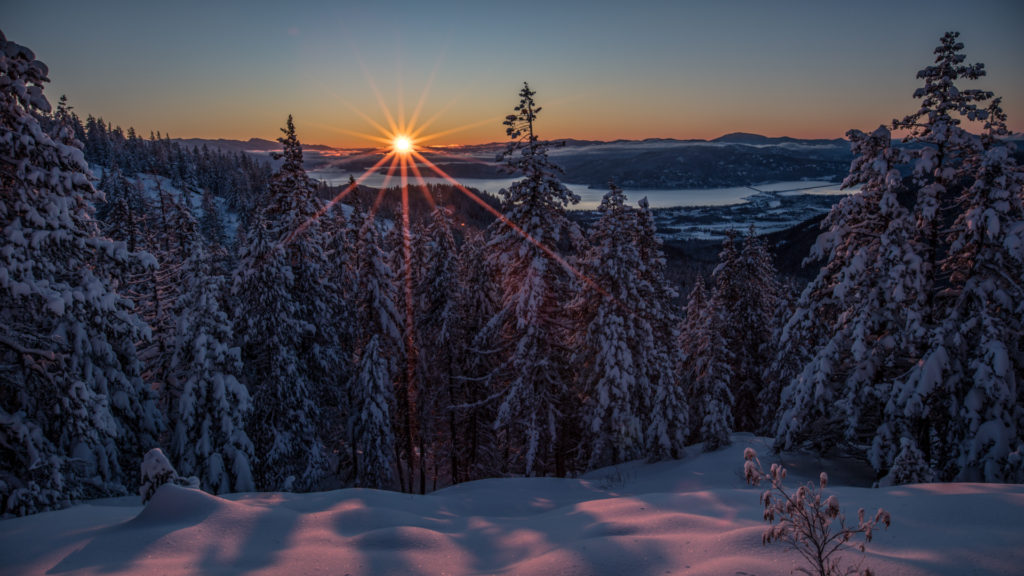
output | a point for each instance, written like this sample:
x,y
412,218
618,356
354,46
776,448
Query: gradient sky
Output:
x,y
602,70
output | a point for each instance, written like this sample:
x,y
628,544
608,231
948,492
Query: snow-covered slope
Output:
x,y
693,516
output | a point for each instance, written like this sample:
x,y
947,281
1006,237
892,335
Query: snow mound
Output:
x,y
694,516
173,504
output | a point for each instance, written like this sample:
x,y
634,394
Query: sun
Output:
x,y
401,144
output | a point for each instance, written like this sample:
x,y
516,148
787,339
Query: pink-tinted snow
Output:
x,y
693,516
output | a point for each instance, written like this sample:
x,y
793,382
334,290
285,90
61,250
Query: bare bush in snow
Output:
x,y
808,522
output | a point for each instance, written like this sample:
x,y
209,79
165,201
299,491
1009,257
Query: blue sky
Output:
x,y
602,70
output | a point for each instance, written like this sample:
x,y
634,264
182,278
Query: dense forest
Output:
x,y
268,337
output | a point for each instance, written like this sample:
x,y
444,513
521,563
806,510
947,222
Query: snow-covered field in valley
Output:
x,y
692,516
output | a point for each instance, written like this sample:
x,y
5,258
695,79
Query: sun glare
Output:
x,y
402,154
401,145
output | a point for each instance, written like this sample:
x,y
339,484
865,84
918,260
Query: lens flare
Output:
x,y
402,150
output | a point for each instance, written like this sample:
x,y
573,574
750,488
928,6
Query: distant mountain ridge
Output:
x,y
758,139
264,145
737,159
250,145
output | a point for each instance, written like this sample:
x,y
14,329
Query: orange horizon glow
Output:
x,y
402,145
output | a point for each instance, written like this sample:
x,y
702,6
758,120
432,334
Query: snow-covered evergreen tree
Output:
x,y
746,293
909,466
285,322
632,404
434,294
707,370
912,312
378,323
123,212
662,395
971,370
173,237
612,339
211,224
848,330
294,215
340,252
209,418
476,303
398,254
531,372
74,413
372,436
941,161
269,324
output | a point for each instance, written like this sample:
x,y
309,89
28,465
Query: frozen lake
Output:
x,y
591,198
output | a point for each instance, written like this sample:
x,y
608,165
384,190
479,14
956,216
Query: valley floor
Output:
x,y
692,516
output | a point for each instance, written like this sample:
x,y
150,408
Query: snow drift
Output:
x,y
692,516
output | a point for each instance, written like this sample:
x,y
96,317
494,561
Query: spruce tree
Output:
x,y
75,416
632,404
747,294
707,370
940,162
917,312
379,348
476,304
270,327
848,328
294,215
434,294
209,416
172,238
611,339
340,252
211,224
372,436
398,255
663,397
971,369
123,213
286,326
531,371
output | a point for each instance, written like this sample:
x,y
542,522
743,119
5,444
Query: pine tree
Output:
x,y
380,347
662,395
848,328
476,304
612,339
74,412
707,368
530,324
747,294
372,437
209,418
940,163
434,293
971,369
294,214
269,324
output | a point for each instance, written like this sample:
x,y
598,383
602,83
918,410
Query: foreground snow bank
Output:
x,y
693,516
